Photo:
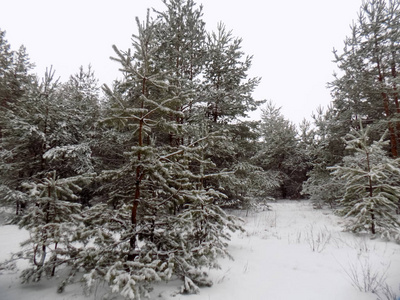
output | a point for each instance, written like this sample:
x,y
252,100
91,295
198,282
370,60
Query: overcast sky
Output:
x,y
291,40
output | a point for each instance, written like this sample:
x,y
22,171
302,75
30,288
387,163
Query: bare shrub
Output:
x,y
317,239
364,277
387,293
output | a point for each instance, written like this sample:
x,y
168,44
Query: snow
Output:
x,y
291,252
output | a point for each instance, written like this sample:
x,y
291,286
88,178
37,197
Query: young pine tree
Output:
x,y
370,180
325,149
53,219
159,220
280,153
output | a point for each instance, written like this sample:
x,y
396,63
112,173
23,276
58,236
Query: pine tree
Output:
x,y
71,154
163,221
46,129
247,184
364,89
326,149
225,99
158,211
6,62
228,91
17,143
15,77
366,86
371,186
53,219
180,35
280,152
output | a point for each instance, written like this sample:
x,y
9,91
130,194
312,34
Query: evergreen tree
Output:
x,y
163,221
45,130
366,86
53,220
167,158
280,152
180,35
364,89
79,100
18,140
228,91
326,149
226,98
6,65
27,130
371,186
15,77
247,184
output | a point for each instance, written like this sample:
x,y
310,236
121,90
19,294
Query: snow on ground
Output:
x,y
291,252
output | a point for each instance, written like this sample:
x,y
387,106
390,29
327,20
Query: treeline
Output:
x,y
127,184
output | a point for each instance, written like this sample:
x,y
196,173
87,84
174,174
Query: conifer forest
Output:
x,y
136,182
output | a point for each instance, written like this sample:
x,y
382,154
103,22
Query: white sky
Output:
x,y
291,40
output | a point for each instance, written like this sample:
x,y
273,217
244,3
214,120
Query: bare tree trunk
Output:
x,y
396,97
138,179
371,194
385,99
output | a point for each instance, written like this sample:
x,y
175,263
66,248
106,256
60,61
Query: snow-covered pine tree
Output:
x,y
15,77
180,34
14,72
366,86
246,184
280,153
159,220
53,220
228,90
326,149
225,100
47,164
28,126
71,153
49,127
16,83
370,179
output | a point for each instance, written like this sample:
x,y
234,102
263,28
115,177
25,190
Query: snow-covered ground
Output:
x,y
291,252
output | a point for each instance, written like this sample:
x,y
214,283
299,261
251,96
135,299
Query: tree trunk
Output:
x,y
385,99
396,97
371,194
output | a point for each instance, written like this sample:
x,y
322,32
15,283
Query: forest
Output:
x,y
133,182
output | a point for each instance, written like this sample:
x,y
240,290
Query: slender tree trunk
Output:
x,y
53,271
138,179
396,97
385,99
44,145
398,207
392,133
371,194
